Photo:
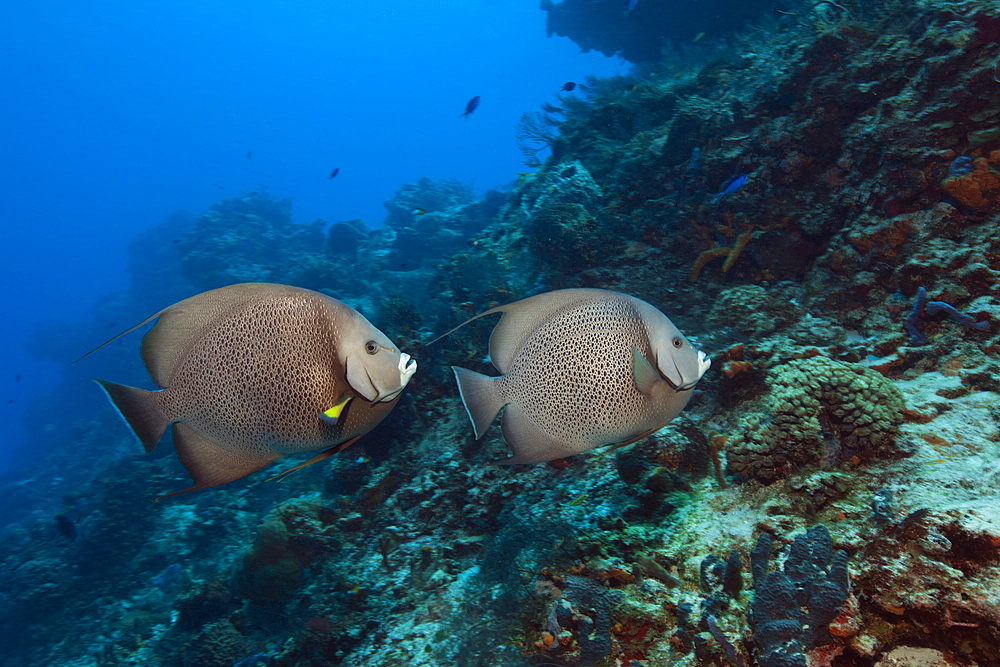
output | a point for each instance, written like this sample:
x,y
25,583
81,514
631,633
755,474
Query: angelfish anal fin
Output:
x,y
332,416
645,375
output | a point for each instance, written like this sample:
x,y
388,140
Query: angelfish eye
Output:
x,y
677,342
371,347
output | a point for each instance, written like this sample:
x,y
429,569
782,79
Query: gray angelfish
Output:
x,y
580,368
254,371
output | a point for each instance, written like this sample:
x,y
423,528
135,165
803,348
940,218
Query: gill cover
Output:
x,y
676,359
377,370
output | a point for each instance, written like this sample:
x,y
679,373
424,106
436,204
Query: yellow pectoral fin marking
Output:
x,y
332,415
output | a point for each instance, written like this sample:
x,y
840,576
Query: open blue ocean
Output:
x,y
119,115
489,333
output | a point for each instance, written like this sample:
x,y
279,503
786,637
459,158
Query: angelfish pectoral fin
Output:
x,y
332,416
645,375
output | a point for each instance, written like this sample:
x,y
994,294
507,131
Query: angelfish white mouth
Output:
x,y
407,367
703,363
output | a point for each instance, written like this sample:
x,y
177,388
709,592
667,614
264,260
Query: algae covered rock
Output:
x,y
754,310
819,412
254,239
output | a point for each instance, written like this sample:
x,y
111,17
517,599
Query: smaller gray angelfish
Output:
x,y
255,371
580,368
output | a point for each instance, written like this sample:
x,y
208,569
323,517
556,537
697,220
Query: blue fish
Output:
x,y
732,186
631,6
252,661
470,106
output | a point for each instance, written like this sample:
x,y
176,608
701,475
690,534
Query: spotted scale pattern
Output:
x,y
257,378
573,375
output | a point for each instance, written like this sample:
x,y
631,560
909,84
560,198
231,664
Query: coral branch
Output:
x,y
704,258
734,253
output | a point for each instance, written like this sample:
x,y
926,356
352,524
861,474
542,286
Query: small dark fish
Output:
x,y
17,377
65,526
418,211
732,186
568,86
470,106
333,174
249,155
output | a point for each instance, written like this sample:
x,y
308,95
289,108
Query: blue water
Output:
x,y
118,113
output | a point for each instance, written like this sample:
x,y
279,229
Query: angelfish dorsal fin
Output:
x,y
170,338
525,316
645,375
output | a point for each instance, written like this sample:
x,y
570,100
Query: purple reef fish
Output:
x,y
470,106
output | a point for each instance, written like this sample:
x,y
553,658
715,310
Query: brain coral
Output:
x,y
818,412
219,645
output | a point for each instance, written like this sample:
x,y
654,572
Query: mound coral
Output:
x,y
819,411
219,645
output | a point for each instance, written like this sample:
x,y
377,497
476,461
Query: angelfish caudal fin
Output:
x,y
139,409
480,397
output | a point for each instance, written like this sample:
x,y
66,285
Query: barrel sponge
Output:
x,y
272,569
818,412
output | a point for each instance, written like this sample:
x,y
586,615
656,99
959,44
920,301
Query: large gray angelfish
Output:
x,y
581,368
254,371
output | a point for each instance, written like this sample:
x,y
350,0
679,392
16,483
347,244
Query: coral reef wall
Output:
x,y
641,30
818,209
